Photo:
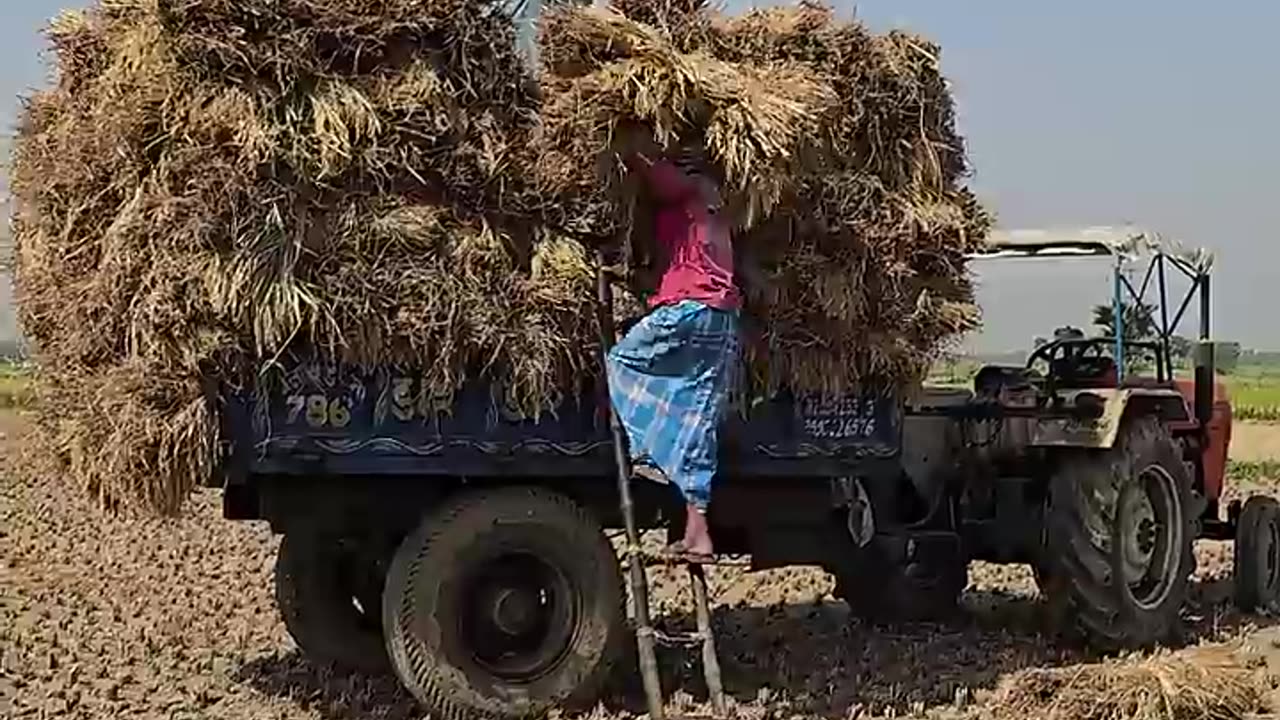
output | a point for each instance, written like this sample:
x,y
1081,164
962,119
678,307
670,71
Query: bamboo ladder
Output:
x,y
647,637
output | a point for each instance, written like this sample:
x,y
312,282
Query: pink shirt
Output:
x,y
694,243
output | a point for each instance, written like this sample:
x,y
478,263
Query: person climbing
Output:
x,y
671,375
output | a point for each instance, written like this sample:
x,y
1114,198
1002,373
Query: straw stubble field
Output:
x,y
174,619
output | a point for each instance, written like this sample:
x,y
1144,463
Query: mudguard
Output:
x,y
1100,432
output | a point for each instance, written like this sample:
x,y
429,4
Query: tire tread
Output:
x,y
318,631
435,687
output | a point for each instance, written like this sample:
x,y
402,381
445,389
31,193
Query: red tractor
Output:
x,y
1093,462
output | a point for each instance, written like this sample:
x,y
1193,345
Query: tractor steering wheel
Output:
x,y
1074,359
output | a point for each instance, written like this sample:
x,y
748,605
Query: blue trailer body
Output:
x,y
326,419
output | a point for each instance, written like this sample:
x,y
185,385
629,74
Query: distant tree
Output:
x,y
1139,320
1180,350
1139,325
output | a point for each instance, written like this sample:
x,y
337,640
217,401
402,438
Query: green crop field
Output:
x,y
1255,393
15,386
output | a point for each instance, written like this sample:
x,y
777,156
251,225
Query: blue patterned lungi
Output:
x,y
669,381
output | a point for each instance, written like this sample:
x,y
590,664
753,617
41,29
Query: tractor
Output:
x,y
1093,462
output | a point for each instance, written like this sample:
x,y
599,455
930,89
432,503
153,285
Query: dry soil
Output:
x,y
174,619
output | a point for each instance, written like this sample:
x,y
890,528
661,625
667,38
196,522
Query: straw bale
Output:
x,y
1207,683
210,185
136,436
575,41
840,152
669,16
614,78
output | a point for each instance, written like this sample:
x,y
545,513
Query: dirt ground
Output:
x,y
1255,442
102,618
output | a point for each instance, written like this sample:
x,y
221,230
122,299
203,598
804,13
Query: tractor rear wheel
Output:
x,y
1257,556
1120,531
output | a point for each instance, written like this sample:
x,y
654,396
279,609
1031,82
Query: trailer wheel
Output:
x,y
505,603
329,593
1257,556
1120,533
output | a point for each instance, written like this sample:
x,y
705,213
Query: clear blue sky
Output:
x,y
1162,113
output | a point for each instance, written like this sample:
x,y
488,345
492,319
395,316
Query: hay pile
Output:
x,y
839,149
211,184
1202,684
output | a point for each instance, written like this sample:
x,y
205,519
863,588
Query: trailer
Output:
x,y
464,547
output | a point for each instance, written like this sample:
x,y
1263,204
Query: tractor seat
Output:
x,y
992,380
1094,372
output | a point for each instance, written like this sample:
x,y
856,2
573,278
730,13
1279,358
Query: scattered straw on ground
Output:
x,y
1207,683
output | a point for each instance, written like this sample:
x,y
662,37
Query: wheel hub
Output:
x,y
516,617
1151,536
1140,536
514,610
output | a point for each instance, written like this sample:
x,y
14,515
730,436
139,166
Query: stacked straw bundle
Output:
x,y
211,184
838,148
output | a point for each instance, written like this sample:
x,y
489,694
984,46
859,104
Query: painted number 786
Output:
x,y
318,411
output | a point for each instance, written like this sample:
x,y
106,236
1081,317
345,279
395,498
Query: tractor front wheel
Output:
x,y
1119,536
1257,556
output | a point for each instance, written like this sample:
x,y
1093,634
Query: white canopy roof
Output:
x,y
1126,242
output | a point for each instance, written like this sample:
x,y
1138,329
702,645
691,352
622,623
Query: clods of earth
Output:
x,y
101,617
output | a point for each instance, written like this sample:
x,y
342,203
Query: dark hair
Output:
x,y
693,161
688,160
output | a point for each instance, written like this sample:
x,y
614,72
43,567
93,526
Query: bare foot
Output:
x,y
677,552
697,535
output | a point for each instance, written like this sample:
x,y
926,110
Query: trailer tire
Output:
x,y
1120,533
1257,556
333,620
505,603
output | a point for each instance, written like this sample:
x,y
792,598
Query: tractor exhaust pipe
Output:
x,y
1205,375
